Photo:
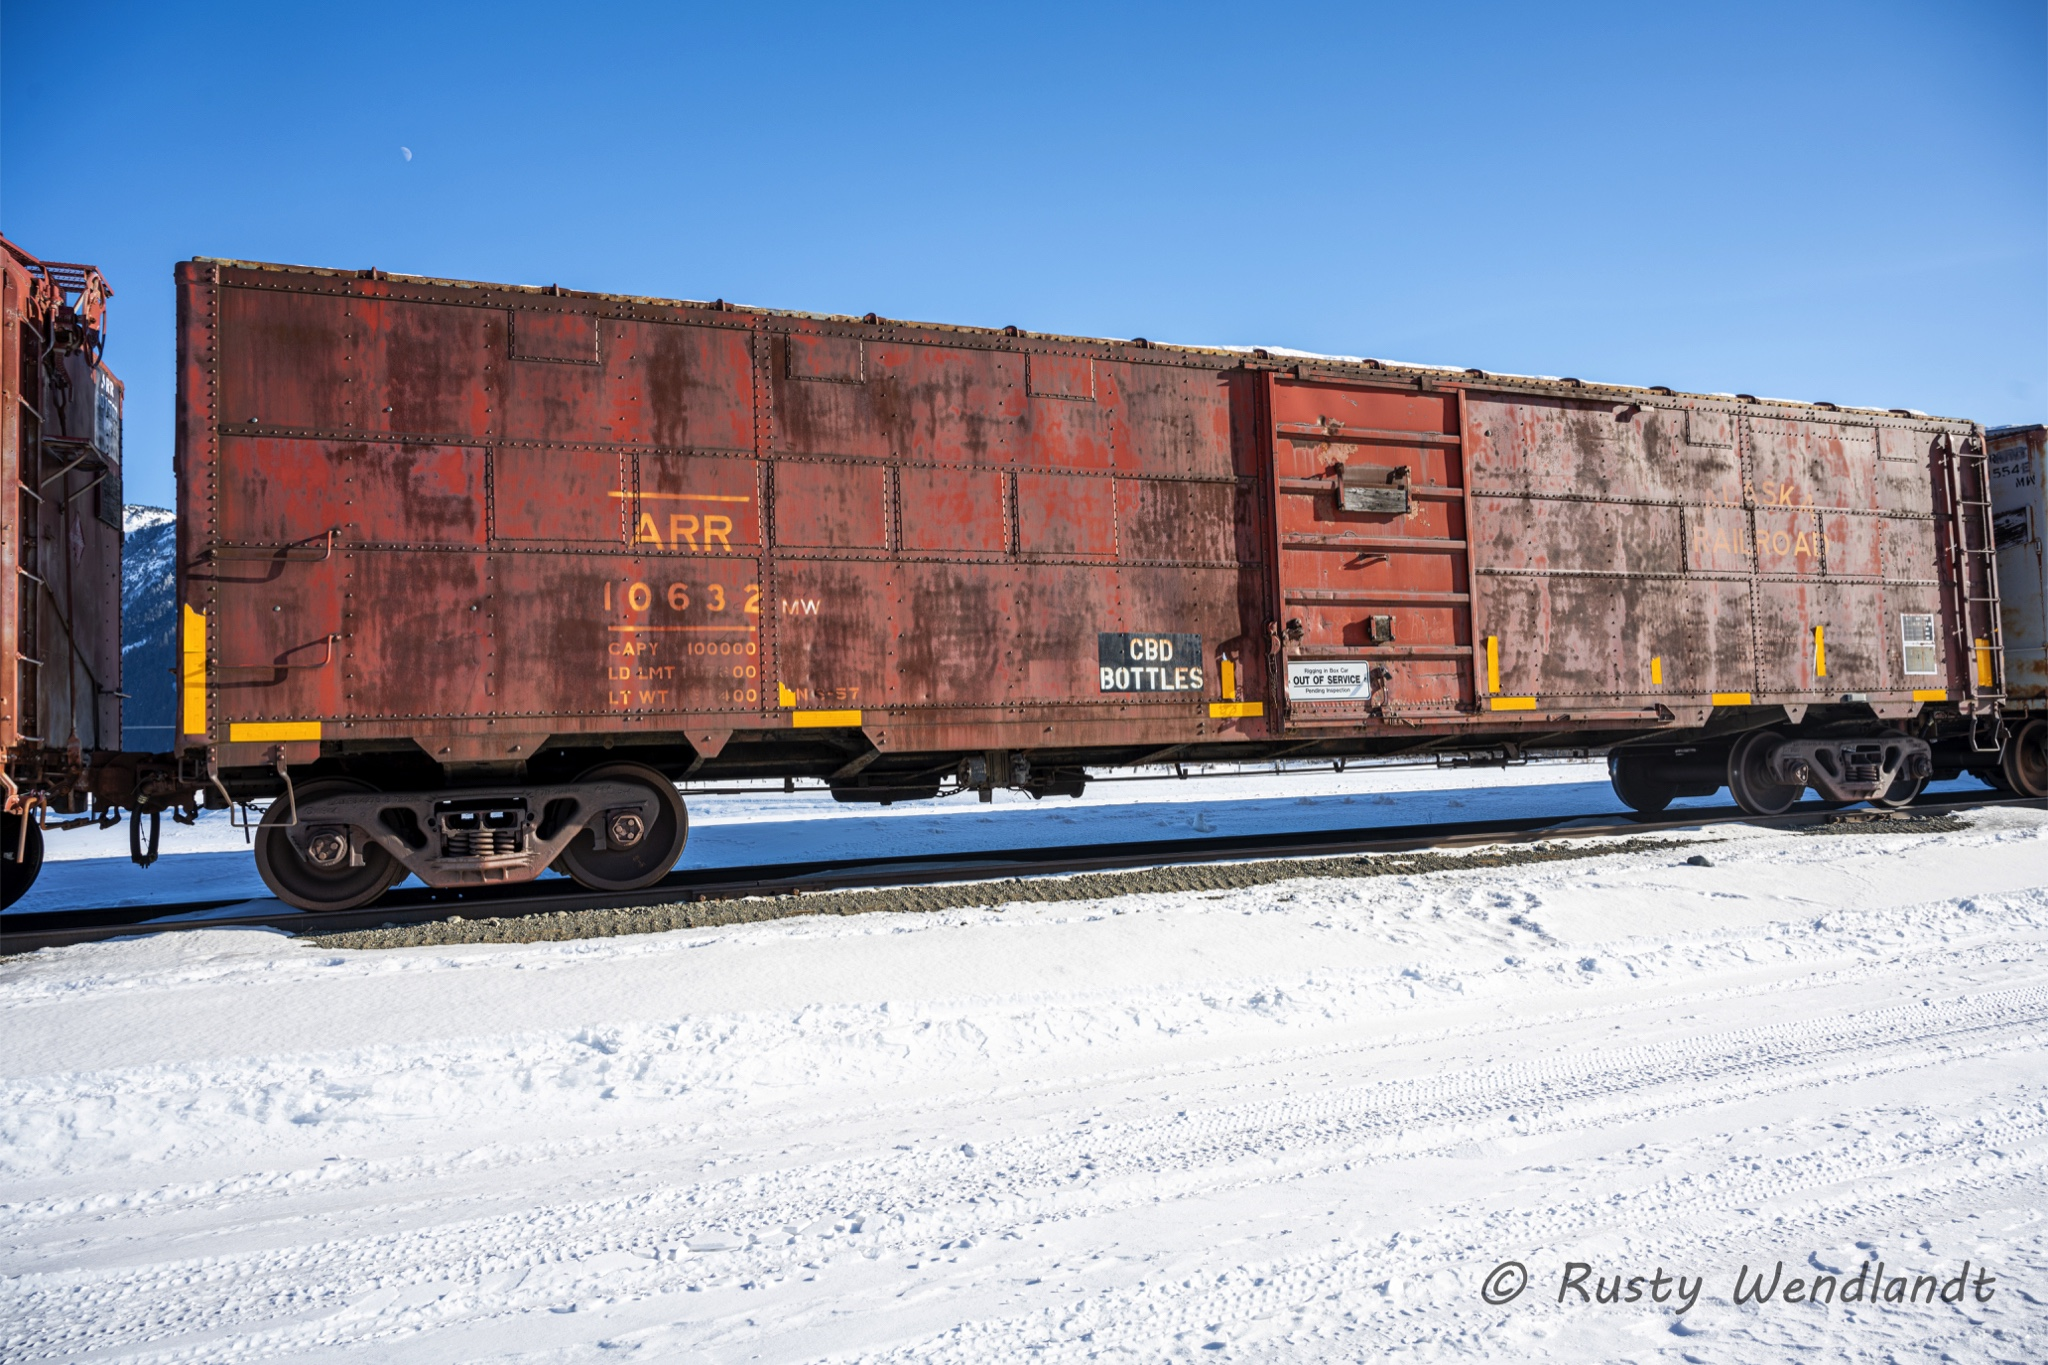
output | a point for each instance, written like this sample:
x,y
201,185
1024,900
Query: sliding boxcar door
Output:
x,y
1368,497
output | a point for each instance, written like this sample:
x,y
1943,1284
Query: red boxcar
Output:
x,y
60,550
450,550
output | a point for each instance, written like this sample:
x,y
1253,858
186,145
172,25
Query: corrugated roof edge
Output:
x,y
1240,353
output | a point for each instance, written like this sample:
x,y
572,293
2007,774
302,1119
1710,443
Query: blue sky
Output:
x,y
1844,202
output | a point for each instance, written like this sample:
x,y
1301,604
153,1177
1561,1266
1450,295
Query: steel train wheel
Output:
x,y
1751,783
18,875
1901,793
1636,784
649,857
2025,763
298,882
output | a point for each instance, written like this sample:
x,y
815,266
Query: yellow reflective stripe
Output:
x,y
1820,652
1983,663
193,676
272,731
1224,709
818,720
1656,670
1228,669
1513,703
1930,694
1731,699
1493,665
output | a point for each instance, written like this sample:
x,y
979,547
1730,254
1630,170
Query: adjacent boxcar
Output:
x,y
2019,492
470,571
60,549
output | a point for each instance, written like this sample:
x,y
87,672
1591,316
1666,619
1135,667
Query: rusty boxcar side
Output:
x,y
60,547
438,535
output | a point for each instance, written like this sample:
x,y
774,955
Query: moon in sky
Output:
x,y
405,152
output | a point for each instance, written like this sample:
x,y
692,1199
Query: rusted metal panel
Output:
x,y
528,506
1605,451
426,633
952,511
1660,649
2019,494
1853,544
1066,515
1185,521
1800,462
833,505
689,513
1542,535
295,492
836,642
929,404
1760,528
60,530
1723,642
1847,654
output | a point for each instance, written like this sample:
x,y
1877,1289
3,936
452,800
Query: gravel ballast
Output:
x,y
565,925
653,919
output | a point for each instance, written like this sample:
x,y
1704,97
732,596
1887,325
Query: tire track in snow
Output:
x,y
479,1268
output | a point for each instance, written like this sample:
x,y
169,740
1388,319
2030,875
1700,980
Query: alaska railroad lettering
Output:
x,y
684,530
696,532
1786,494
1740,542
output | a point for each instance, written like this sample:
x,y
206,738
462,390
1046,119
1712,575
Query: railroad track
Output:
x,y
420,905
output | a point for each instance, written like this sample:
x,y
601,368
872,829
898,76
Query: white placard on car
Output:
x,y
1329,680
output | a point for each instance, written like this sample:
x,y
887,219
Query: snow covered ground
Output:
x,y
1301,1122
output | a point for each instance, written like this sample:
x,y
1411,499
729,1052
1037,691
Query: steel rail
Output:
x,y
25,932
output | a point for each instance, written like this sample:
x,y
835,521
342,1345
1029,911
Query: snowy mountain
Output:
x,y
149,625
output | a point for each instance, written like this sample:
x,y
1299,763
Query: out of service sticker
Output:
x,y
1329,680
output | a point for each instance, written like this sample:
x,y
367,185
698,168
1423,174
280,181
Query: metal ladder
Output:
x,y
1973,569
